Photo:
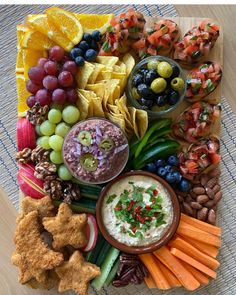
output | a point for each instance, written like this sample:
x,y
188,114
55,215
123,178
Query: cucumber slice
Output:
x,y
102,255
112,274
106,267
81,206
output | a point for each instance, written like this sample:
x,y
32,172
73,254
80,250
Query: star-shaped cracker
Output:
x,y
32,255
76,273
50,282
67,228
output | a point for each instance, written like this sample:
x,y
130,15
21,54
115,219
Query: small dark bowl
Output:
x,y
146,248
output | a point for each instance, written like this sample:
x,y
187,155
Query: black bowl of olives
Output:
x,y
157,84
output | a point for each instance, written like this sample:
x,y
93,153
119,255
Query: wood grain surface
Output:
x,y
225,15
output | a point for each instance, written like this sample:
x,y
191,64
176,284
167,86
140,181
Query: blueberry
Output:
x,y
161,100
90,55
161,171
172,160
150,76
146,102
184,185
160,163
138,79
83,45
151,167
168,168
76,52
170,178
94,45
79,61
87,37
143,90
177,176
96,35
175,73
173,97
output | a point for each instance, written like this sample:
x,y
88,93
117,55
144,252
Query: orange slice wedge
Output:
x,y
19,62
30,58
40,23
91,22
66,22
22,94
35,40
20,31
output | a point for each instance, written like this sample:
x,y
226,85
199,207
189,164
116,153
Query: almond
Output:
x,y
211,216
199,190
204,179
216,188
201,199
210,193
196,205
209,204
187,209
202,214
212,182
217,197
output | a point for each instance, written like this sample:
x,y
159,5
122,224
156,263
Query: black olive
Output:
x,y
143,90
161,99
173,97
150,76
196,54
137,79
175,73
146,102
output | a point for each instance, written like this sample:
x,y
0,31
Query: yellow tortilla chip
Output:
x,y
104,75
89,96
117,119
113,108
122,105
97,107
132,112
129,62
141,122
83,74
98,88
83,105
108,61
98,68
122,66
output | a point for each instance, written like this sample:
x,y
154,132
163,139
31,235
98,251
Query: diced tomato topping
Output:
x,y
155,192
215,158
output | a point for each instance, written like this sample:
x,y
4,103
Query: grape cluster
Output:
x,y
168,170
52,132
52,80
87,49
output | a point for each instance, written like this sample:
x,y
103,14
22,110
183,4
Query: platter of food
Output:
x,y
118,151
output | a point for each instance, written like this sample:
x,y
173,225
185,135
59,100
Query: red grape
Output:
x,y
36,74
59,96
50,68
56,53
42,61
31,101
50,82
66,58
72,95
43,96
32,87
71,67
65,79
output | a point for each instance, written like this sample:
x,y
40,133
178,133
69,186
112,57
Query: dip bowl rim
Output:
x,y
168,235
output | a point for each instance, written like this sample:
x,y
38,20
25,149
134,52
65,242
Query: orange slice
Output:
x,y
19,62
91,22
35,40
40,23
20,31
22,95
66,22
30,58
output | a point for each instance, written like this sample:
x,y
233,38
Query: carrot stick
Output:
x,y
171,278
192,232
203,279
205,248
190,250
150,263
211,229
150,282
184,276
182,256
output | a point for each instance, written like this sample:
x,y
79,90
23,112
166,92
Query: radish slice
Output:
x,y
91,233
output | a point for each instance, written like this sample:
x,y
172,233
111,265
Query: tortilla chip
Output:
x,y
113,108
83,105
98,88
98,68
104,75
110,88
117,119
141,122
122,66
132,112
108,61
83,74
129,62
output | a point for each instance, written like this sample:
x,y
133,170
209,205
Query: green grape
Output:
x,y
37,129
54,116
70,114
44,142
62,129
47,128
64,173
39,141
56,142
56,157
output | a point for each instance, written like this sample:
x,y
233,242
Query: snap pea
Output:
x,y
159,137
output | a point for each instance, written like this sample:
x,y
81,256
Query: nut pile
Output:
x,y
201,201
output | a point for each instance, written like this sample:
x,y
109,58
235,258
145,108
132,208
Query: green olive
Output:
x,y
85,138
135,93
177,84
152,64
106,145
164,69
88,162
158,85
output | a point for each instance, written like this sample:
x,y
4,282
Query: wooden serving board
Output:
x,y
8,213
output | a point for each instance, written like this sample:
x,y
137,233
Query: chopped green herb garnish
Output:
x,y
111,198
